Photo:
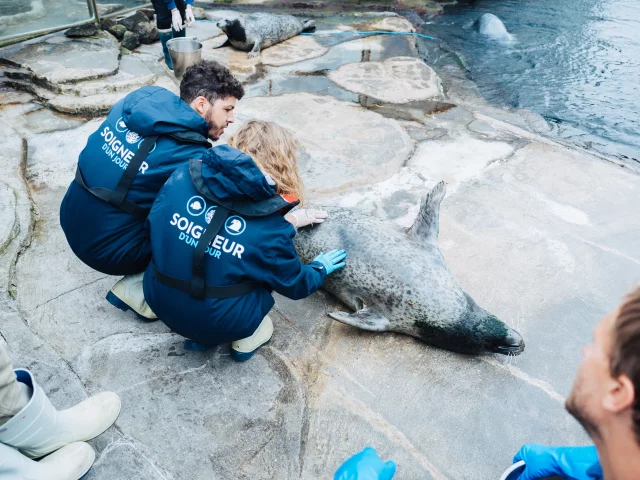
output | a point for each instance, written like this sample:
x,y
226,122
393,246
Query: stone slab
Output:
x,y
203,30
558,250
457,160
396,80
294,50
240,419
58,59
338,137
17,218
242,67
89,105
69,312
132,74
429,406
8,220
392,24
44,120
372,48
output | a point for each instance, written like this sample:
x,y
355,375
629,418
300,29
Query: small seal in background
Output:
x,y
253,32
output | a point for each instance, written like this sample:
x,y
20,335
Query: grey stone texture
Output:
x,y
80,31
59,59
130,40
541,234
396,80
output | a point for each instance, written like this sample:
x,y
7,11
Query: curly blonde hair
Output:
x,y
273,148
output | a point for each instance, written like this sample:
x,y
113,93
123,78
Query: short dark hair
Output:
x,y
210,80
625,356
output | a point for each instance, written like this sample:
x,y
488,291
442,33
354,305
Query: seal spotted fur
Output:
x,y
398,281
256,31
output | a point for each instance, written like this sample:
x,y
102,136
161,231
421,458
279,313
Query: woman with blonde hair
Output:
x,y
221,239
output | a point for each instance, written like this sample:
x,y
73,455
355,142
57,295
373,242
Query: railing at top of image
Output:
x,y
93,17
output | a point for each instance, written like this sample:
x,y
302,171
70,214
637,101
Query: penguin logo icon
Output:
x,y
196,206
235,225
121,126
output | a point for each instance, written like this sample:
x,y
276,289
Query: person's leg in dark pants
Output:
x,y
165,31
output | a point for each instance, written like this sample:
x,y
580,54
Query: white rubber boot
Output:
x,y
39,429
71,462
127,294
244,349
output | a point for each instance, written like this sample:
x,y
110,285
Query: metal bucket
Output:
x,y
184,52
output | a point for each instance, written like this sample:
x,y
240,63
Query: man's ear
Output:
x,y
199,104
621,395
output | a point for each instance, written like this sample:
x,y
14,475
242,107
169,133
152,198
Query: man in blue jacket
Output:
x,y
145,137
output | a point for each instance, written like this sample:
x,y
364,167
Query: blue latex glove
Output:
x,y
366,465
331,261
573,463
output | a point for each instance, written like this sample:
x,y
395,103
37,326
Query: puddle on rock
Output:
x,y
373,48
412,111
317,83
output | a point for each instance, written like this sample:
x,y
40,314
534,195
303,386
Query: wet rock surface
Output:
x,y
82,31
59,59
530,228
396,80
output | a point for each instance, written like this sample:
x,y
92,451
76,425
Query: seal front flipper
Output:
x,y
255,51
425,226
365,319
308,26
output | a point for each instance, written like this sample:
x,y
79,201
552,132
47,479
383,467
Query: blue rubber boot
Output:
x,y
242,350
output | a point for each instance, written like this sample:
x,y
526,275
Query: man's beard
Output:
x,y
579,413
214,130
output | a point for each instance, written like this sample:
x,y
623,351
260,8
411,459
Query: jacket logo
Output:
x,y
132,137
196,206
121,126
235,225
209,215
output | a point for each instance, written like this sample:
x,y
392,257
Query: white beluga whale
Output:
x,y
491,26
398,281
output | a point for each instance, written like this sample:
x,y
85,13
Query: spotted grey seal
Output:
x,y
491,26
255,31
398,281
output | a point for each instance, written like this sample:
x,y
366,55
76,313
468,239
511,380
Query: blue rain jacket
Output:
x,y
103,236
247,248
171,4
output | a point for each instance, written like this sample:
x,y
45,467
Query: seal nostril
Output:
x,y
511,344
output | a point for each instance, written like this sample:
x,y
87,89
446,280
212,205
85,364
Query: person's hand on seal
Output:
x,y
305,216
332,260
176,20
188,13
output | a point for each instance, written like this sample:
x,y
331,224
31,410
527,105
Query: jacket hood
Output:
x,y
157,111
233,175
